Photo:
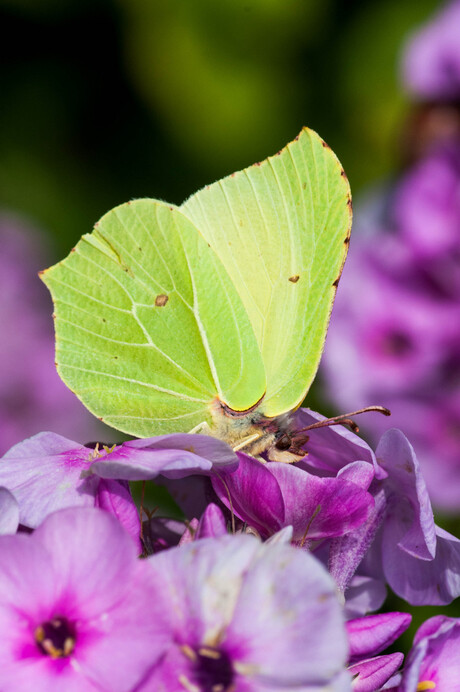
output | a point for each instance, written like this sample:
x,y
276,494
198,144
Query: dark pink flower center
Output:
x,y
211,669
396,343
56,637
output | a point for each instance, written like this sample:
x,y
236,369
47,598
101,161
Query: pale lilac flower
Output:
x,y
363,595
78,611
248,616
434,662
45,474
173,456
49,472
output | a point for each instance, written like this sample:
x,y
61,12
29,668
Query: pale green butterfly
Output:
x,y
210,316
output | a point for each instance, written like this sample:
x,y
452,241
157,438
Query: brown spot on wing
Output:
x,y
294,279
336,282
161,300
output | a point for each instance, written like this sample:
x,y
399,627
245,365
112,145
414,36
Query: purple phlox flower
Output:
x,y
211,525
369,675
48,472
31,391
369,636
78,611
248,616
9,512
323,495
115,497
372,634
431,65
420,561
273,495
434,662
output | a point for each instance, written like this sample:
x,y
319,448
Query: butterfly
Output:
x,y
209,316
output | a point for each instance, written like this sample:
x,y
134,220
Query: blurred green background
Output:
x,y
107,100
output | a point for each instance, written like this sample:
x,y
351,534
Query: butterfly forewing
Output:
x,y
281,229
149,327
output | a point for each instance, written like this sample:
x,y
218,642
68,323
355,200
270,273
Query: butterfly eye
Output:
x,y
283,443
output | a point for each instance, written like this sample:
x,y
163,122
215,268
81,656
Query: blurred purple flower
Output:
x,y
431,66
433,662
395,334
384,338
248,616
31,392
427,202
78,611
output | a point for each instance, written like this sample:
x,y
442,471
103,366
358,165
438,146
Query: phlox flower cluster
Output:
x,y
395,336
268,576
272,580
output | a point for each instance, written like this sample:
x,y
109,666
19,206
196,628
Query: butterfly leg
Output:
x,y
202,428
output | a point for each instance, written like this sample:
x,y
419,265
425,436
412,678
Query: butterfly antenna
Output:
x,y
345,419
